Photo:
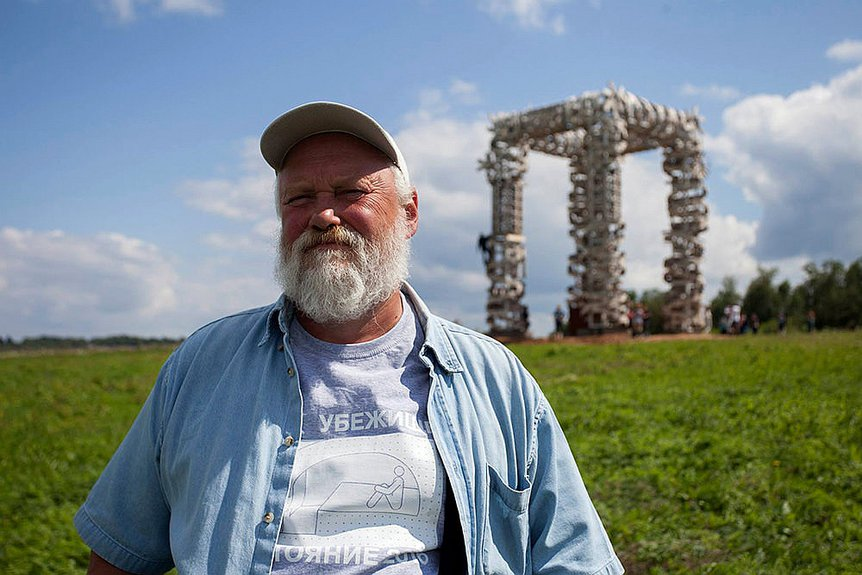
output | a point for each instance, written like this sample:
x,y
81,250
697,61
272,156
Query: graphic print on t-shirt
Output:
x,y
351,494
359,503
365,490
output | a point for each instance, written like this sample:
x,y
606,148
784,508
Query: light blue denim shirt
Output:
x,y
201,479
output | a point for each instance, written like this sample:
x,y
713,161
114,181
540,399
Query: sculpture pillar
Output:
x,y
688,212
596,218
506,255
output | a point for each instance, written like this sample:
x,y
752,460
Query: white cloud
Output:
x,y
246,197
557,25
466,92
121,10
53,282
233,242
217,288
437,103
644,211
203,7
546,227
57,283
727,252
790,269
529,13
847,50
800,157
711,92
239,275
454,201
451,291
728,245
262,238
125,11
443,155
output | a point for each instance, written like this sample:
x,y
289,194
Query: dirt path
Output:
x,y
617,338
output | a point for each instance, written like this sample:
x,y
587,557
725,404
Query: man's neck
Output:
x,y
370,326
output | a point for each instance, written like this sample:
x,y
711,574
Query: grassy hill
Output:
x,y
739,455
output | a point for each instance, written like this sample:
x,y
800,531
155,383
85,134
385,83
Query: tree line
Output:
x,y
831,290
55,342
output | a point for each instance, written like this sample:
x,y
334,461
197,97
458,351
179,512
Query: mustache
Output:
x,y
334,235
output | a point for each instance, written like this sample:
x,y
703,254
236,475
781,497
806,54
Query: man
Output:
x,y
559,325
343,429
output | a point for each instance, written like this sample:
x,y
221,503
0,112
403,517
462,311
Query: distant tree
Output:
x,y
853,287
653,301
53,342
761,297
800,302
57,342
824,287
783,294
833,292
727,295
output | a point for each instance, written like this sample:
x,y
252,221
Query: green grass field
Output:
x,y
739,455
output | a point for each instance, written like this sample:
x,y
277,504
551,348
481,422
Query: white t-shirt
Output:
x,y
368,488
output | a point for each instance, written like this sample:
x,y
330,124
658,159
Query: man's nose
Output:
x,y
324,218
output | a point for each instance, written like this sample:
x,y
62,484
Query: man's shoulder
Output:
x,y
202,360
489,373
248,326
467,336
471,346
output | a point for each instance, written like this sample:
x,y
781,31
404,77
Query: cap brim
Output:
x,y
322,117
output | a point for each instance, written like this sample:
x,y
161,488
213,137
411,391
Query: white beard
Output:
x,y
337,285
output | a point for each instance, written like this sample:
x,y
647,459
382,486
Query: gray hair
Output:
x,y
402,186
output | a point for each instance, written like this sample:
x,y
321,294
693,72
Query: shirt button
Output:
x,y
290,371
281,347
268,517
288,441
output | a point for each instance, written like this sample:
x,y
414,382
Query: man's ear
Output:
x,y
412,211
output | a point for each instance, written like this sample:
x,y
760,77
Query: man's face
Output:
x,y
344,234
337,179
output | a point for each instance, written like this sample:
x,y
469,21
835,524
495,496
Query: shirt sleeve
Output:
x,y
566,533
125,519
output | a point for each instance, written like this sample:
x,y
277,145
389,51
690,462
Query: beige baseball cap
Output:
x,y
319,118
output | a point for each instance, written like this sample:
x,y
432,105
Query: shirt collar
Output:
x,y
437,337
277,320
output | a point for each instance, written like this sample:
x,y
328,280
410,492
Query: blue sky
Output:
x,y
133,198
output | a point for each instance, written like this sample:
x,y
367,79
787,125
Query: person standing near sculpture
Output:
x,y
344,428
559,323
735,319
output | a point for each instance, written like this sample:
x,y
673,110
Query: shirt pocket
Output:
x,y
505,547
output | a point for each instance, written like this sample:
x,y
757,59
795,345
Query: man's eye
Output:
x,y
299,200
352,194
